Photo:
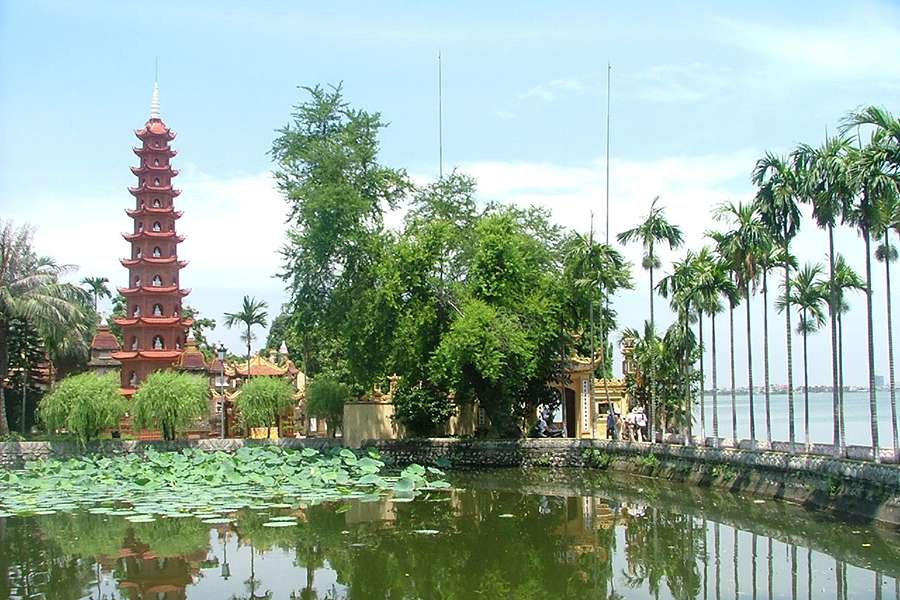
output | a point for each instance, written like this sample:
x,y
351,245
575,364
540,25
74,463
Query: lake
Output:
x,y
856,414
496,534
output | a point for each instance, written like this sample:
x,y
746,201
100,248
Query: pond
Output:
x,y
495,534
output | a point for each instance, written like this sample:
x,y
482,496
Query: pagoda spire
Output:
x,y
154,102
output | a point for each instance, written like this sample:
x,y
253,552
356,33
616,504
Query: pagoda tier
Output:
x,y
133,262
152,212
153,331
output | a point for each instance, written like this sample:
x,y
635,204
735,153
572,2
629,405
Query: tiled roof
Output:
x,y
192,359
259,366
104,340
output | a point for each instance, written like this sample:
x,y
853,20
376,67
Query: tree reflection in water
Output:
x,y
493,538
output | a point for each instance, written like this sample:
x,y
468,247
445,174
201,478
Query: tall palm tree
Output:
x,y
715,283
777,201
869,172
845,280
743,246
30,289
654,229
889,217
680,288
887,133
253,312
828,189
808,296
97,288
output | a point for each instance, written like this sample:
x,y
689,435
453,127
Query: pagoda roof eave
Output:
x,y
153,235
155,169
141,151
153,321
149,211
153,290
147,354
152,189
131,262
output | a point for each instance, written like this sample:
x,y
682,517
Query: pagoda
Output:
x,y
153,330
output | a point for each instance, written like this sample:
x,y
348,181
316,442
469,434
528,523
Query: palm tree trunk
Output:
x,y
702,383
870,343
840,320
715,380
750,366
787,332
4,371
689,411
805,386
890,337
835,382
652,428
248,350
733,384
766,389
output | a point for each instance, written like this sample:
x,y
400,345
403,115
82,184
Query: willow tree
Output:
x,y
171,401
84,405
263,400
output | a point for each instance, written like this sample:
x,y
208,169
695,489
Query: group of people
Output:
x,y
632,427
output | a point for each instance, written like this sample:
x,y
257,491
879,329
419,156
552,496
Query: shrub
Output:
x,y
421,408
85,405
325,398
171,401
650,461
595,459
263,400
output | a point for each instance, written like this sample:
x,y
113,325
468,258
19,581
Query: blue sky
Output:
x,y
699,90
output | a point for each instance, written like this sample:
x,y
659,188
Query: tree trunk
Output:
x,y
787,331
702,383
715,381
689,410
870,348
4,371
750,367
766,389
890,337
805,386
733,383
840,320
652,374
835,381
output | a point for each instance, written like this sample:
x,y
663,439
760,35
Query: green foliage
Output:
x,y
262,400
648,461
198,329
84,405
325,398
170,401
422,408
595,459
724,472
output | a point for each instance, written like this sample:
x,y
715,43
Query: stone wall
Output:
x,y
865,489
13,455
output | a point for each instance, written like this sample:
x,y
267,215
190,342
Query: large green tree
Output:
x,y
30,288
170,401
98,288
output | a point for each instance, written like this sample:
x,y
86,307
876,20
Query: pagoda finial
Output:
x,y
154,102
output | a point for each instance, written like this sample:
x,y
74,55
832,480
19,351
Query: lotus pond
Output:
x,y
269,523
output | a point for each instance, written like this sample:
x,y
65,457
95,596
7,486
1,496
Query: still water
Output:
x,y
857,426
498,534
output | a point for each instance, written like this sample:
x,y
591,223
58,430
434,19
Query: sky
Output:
x,y
699,90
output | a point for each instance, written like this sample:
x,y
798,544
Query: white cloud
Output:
x,y
551,90
680,83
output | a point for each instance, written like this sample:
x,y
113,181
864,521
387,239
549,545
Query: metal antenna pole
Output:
x,y
440,120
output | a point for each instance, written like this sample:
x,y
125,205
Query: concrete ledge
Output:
x,y
865,489
14,455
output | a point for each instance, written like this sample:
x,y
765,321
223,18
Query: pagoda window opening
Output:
x,y
157,252
178,344
171,227
157,226
133,343
132,379
157,281
157,310
155,162
156,182
137,253
140,227
137,281
156,203
158,343
136,312
142,181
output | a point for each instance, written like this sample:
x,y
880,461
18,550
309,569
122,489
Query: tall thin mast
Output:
x,y
440,120
608,72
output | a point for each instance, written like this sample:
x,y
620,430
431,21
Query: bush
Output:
x,y
325,398
422,408
595,459
263,400
85,405
170,401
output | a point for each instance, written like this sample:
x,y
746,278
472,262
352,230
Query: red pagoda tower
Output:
x,y
153,331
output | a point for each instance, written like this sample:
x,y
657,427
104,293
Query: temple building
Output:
x,y
153,331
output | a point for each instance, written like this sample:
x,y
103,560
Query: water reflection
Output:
x,y
503,535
